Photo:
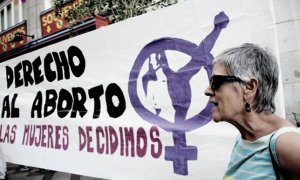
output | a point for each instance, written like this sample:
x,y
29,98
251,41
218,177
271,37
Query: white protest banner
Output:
x,y
127,101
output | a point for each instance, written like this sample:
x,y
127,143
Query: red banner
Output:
x,y
8,35
51,23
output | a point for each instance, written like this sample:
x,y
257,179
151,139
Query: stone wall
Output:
x,y
287,17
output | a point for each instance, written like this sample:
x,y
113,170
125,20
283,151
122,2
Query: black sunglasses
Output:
x,y
217,80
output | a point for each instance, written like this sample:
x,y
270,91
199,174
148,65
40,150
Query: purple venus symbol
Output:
x,y
179,89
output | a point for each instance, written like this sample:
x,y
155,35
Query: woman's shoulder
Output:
x,y
284,136
285,130
287,145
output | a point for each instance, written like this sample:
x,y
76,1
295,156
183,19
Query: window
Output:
x,y
9,14
2,20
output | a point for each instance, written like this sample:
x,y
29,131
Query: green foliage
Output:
x,y
114,10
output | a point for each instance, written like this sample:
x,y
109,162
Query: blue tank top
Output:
x,y
251,160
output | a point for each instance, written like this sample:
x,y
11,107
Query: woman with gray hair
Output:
x,y
242,90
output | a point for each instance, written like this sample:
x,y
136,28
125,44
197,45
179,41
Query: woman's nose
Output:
x,y
208,91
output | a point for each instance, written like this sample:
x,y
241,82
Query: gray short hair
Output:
x,y
249,60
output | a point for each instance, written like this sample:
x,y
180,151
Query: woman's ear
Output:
x,y
250,89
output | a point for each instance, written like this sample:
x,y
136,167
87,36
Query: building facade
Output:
x,y
14,12
29,25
